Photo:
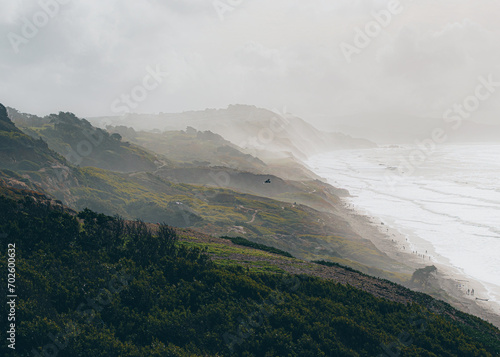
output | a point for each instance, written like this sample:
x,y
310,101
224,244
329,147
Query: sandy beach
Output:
x,y
450,284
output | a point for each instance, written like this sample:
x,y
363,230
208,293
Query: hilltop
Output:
x,y
263,133
21,152
192,148
84,145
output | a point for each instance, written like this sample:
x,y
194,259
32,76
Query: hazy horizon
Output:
x,y
317,59
206,153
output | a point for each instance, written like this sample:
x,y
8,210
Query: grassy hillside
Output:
x,y
249,127
313,193
192,148
84,145
29,163
21,152
93,285
298,229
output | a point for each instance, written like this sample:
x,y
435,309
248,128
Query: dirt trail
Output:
x,y
253,217
254,214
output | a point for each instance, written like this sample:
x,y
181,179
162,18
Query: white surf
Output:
x,y
447,201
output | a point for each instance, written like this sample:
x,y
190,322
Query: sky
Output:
x,y
319,59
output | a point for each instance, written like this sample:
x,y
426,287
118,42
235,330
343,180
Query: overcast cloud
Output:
x,y
267,53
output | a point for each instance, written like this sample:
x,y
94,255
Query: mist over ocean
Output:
x,y
449,203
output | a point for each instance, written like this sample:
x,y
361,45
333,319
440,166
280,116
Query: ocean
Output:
x,y
445,200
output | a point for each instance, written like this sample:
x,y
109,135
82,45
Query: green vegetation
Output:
x,y
333,264
192,148
20,152
246,243
155,197
84,145
297,229
101,286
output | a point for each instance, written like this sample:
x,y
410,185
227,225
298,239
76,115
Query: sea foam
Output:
x,y
449,202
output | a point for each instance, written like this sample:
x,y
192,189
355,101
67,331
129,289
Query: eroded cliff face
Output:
x,y
28,163
263,133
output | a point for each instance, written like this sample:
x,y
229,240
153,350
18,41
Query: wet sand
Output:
x,y
450,284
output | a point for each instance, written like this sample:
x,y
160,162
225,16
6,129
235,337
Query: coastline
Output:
x,y
449,285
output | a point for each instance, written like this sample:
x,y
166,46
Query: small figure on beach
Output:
x,y
472,292
468,291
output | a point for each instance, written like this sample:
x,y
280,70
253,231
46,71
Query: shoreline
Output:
x,y
449,285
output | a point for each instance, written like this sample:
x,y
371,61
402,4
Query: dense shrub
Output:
x,y
94,285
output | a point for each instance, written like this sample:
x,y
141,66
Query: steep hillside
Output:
x,y
299,229
83,145
94,285
21,152
192,148
260,131
313,193
28,163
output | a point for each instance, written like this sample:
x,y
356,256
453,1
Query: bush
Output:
x,y
247,243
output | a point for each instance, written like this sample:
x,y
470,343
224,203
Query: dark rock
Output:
x,y
3,113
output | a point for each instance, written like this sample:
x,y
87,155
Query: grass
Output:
x,y
247,243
